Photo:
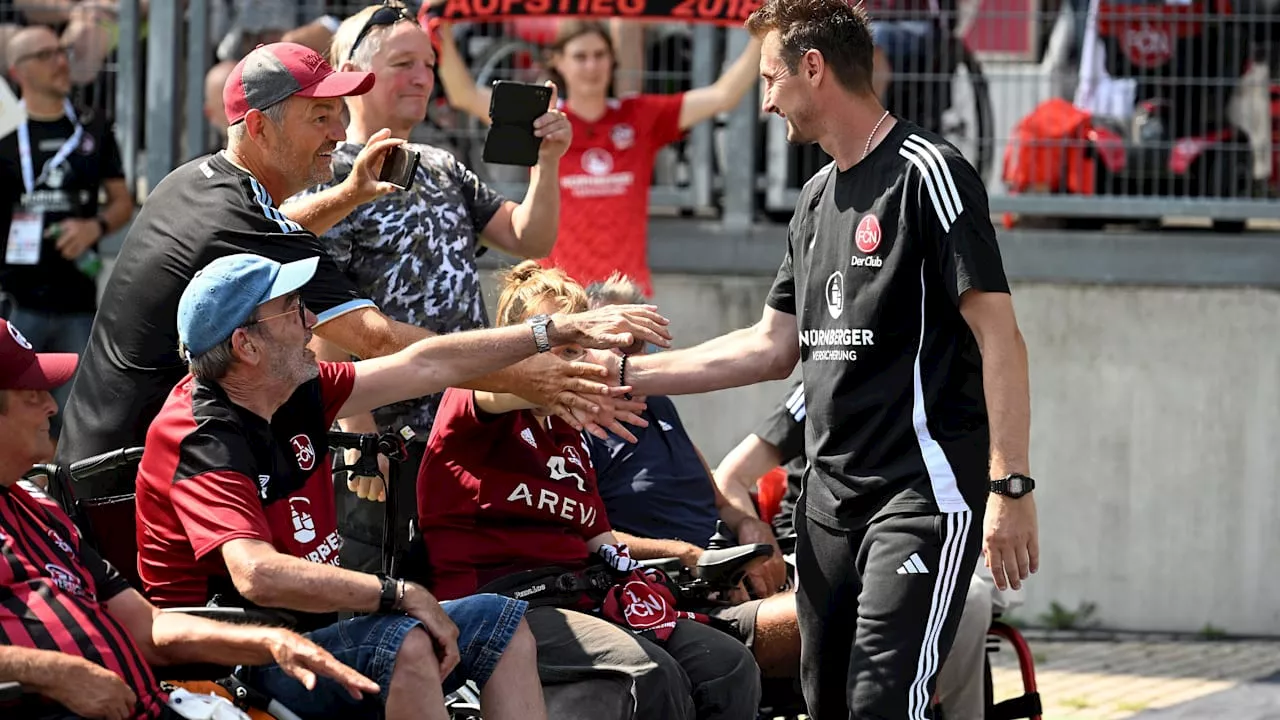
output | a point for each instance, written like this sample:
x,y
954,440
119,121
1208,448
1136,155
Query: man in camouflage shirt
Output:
x,y
414,252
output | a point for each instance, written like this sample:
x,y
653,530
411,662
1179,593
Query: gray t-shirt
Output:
x,y
414,254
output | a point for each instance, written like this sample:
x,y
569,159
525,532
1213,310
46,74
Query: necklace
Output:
x,y
872,136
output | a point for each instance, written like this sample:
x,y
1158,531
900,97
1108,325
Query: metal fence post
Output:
x,y
739,167
700,149
163,108
197,125
127,67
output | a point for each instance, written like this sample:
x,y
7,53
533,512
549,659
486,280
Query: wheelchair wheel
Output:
x,y
464,703
969,123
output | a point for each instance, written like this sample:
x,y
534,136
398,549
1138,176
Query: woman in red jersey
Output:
x,y
507,501
606,173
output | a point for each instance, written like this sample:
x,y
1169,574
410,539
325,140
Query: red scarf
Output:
x,y
643,602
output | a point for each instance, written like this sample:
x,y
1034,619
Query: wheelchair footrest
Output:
x,y
1025,706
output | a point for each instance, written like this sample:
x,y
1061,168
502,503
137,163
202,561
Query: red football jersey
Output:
x,y
498,494
604,188
214,472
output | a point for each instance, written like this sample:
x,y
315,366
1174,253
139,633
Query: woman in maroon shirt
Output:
x,y
507,489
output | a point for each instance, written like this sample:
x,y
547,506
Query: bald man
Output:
x,y
52,170
214,81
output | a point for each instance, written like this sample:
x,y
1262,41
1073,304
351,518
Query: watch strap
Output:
x,y
390,597
541,337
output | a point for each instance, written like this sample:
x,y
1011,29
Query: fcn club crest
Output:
x,y
867,236
304,452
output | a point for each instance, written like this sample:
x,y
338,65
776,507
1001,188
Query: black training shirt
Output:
x,y
54,285
206,209
878,258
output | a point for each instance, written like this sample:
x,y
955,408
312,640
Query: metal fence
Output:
x,y
1181,103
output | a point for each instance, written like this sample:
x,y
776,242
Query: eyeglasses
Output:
x,y
301,311
45,55
383,16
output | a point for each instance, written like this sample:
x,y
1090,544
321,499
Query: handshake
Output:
x,y
581,382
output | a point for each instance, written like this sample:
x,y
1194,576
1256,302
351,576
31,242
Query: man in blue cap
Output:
x,y
235,497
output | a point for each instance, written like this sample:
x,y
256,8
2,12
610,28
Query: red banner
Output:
x,y
720,12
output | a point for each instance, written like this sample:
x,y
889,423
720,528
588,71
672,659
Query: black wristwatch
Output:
x,y
390,598
1013,485
541,337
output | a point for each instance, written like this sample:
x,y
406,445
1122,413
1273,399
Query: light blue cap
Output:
x,y
223,295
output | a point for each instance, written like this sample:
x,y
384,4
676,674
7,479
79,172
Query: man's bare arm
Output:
x,y
1010,526
169,638
575,391
643,548
320,211
742,468
767,350
272,579
83,687
433,364
1004,378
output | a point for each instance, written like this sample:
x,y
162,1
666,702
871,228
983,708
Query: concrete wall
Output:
x,y
1154,435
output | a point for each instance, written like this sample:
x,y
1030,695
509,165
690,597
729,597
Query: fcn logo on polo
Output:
x,y
303,451
867,236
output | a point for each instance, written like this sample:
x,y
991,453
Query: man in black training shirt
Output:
x,y
52,170
283,104
915,376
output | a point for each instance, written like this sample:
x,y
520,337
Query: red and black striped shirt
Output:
x,y
53,594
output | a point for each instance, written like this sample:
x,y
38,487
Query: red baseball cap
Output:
x,y
274,72
22,368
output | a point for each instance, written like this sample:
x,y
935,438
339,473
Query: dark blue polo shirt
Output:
x,y
658,487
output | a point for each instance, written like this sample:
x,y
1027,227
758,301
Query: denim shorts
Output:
x,y
371,643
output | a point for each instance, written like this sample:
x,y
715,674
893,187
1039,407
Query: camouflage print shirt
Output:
x,y
414,254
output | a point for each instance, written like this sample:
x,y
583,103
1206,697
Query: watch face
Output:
x,y
1016,486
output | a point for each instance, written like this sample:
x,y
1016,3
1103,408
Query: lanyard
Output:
x,y
24,149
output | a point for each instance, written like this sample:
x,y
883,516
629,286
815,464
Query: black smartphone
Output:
x,y
513,107
399,167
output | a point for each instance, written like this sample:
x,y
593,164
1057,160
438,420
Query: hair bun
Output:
x,y
522,273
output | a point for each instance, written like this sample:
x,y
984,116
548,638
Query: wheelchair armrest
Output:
x,y
239,616
725,567
669,565
11,691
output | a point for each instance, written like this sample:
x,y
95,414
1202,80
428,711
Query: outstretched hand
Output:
x,y
303,660
582,393
612,326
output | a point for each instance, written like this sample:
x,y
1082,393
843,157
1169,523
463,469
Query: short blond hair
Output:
x,y
618,289
528,286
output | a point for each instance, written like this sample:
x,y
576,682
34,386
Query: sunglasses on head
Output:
x,y
382,17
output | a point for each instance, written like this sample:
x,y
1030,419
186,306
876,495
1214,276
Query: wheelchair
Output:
x,y
108,525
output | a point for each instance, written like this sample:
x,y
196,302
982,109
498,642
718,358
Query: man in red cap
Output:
x,y
72,632
284,105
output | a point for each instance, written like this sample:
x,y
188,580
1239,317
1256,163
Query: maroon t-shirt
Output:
x,y
53,595
214,472
498,494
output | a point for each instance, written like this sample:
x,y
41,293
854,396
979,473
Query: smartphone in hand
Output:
x,y
513,107
399,167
